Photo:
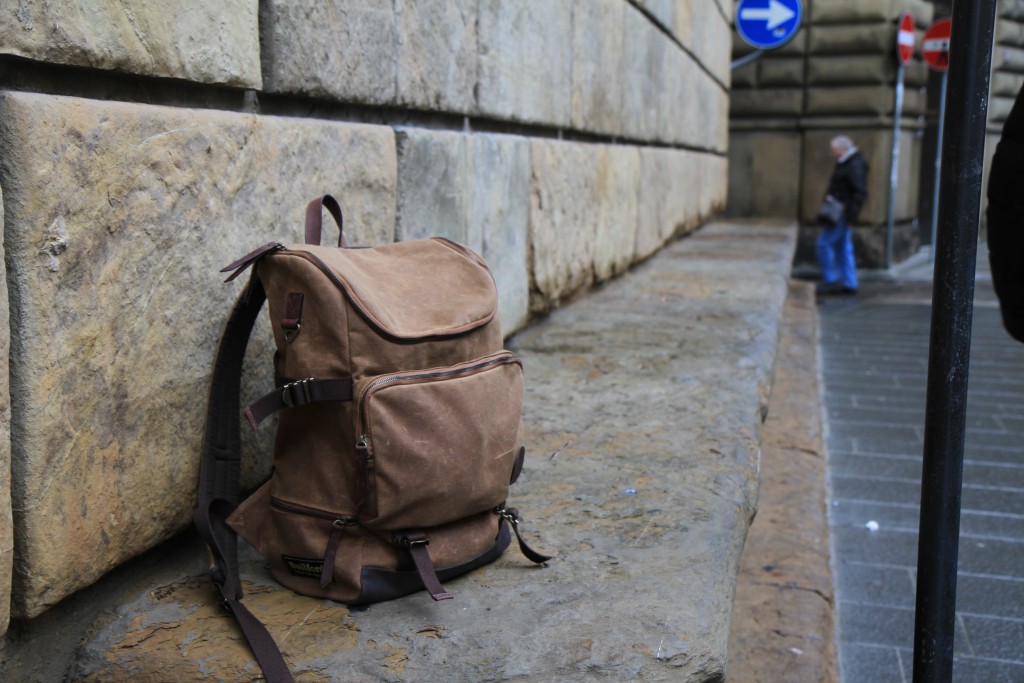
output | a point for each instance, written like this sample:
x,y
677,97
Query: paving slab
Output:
x,y
643,413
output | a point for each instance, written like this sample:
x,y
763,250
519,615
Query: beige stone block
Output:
x,y
1009,32
336,49
763,173
563,219
597,47
679,105
500,213
6,521
999,109
702,27
852,70
746,76
525,60
120,304
876,38
436,54
662,12
1006,84
207,42
433,184
780,72
845,12
1008,59
859,99
618,194
915,74
670,197
643,65
767,102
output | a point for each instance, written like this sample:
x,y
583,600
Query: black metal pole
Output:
x,y
948,358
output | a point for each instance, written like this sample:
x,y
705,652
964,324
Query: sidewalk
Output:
x,y
874,358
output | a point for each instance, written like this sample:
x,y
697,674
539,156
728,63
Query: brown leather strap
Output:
x,y
292,321
219,478
314,219
298,393
511,515
416,543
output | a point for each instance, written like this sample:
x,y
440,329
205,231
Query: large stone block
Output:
x,y
618,195
761,102
781,72
758,182
118,304
6,522
1008,59
563,219
705,30
208,42
875,38
597,51
852,69
474,189
436,55
500,210
338,49
670,197
643,65
851,100
525,60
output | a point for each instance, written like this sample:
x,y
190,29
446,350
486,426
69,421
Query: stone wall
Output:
x,y
141,148
838,75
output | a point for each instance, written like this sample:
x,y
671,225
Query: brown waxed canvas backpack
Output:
x,y
399,432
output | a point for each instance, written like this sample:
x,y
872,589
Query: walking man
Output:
x,y
848,186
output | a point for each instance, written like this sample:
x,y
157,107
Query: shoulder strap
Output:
x,y
219,478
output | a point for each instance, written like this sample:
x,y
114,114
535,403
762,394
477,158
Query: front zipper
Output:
x,y
338,525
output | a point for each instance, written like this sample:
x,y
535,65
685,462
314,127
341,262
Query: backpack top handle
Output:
x,y
314,219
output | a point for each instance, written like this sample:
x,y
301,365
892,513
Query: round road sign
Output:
x,y
905,38
766,24
935,45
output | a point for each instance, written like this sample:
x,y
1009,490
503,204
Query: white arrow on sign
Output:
x,y
775,14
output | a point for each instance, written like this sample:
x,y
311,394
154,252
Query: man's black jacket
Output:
x,y
1006,220
849,184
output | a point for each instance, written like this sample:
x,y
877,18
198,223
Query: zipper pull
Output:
x,y
362,475
337,528
511,515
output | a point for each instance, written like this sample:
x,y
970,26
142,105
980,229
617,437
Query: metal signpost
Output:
x,y
904,53
969,61
935,50
766,24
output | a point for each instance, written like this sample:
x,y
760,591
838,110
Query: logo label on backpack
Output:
x,y
298,566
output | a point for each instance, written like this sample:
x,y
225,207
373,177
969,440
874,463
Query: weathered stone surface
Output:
x,y
208,42
1006,84
852,69
597,51
563,219
705,29
474,189
852,39
855,99
767,102
500,212
692,108
436,54
782,622
6,521
781,71
641,77
118,303
340,49
643,413
839,12
670,197
1008,59
618,195
525,67
756,186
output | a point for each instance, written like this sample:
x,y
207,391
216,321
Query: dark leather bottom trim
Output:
x,y
387,584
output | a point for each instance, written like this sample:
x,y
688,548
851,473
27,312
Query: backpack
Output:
x,y
400,427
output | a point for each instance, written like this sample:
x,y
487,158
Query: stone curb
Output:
x,y
783,615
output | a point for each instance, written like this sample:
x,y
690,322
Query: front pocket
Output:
x,y
439,444
309,539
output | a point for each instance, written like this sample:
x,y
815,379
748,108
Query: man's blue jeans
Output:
x,y
835,256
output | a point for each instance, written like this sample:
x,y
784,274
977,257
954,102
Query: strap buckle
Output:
x,y
289,399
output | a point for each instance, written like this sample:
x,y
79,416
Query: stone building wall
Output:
x,y
838,75
143,147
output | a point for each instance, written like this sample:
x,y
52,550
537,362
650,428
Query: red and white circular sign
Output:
x,y
935,45
905,38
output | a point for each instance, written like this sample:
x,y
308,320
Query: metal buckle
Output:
x,y
286,392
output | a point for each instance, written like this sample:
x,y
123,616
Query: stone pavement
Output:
x,y
873,359
644,408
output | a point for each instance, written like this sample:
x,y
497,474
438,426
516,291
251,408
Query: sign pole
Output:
x,y
894,169
938,166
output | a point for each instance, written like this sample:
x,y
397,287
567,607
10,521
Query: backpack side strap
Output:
x,y
219,478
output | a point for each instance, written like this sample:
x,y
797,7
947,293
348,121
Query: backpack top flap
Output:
x,y
414,289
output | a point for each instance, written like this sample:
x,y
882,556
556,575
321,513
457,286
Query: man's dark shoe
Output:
x,y
828,289
848,291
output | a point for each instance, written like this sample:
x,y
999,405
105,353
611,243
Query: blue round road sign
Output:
x,y
767,24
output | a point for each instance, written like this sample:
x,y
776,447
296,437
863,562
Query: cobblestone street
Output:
x,y
874,362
